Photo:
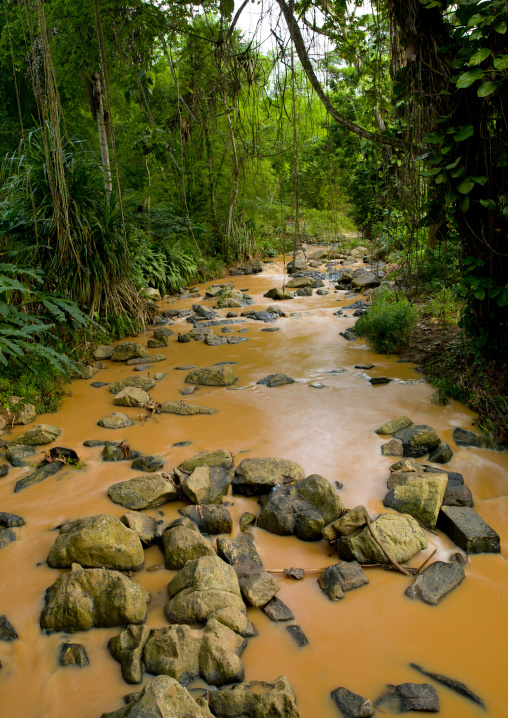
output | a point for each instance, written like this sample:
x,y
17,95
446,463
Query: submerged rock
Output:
x,y
342,577
413,697
233,702
436,581
451,683
299,636
6,537
162,697
143,492
221,375
116,420
128,350
7,631
351,704
97,541
42,472
259,476
38,435
276,380
10,521
183,409
83,598
72,654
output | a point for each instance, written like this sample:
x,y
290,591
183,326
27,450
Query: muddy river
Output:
x,y
364,641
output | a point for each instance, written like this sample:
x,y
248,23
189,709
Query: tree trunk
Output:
x,y
103,133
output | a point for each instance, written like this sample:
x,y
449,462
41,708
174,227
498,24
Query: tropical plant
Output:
x,y
388,322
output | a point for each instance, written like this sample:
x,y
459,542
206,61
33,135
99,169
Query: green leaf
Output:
x,y
503,160
469,260
489,204
434,138
467,78
480,294
487,88
480,180
479,56
501,28
475,19
503,298
464,204
501,62
466,186
454,164
464,132
441,177
457,172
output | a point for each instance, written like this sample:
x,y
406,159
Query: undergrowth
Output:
x,y
388,322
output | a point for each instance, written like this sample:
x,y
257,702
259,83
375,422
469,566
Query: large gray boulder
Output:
x,y
436,581
38,435
142,382
468,530
418,494
219,457
322,496
127,649
131,396
221,375
143,492
365,280
87,597
259,476
116,420
97,541
181,545
277,700
418,440
210,518
128,350
206,485
348,523
203,587
162,697
401,535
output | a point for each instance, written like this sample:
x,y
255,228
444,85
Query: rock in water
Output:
x,y
212,376
128,350
6,537
210,518
400,534
127,649
83,598
468,530
183,409
436,581
442,455
72,654
351,704
206,485
279,700
116,420
131,396
7,631
162,697
298,635
341,577
419,495
208,458
276,610
181,545
97,541
451,683
415,697
464,437
10,521
276,380
391,427
42,472
38,435
392,448
149,464
145,526
418,440
259,476
24,413
143,492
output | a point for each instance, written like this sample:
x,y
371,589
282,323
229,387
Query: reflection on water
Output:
x,y
362,642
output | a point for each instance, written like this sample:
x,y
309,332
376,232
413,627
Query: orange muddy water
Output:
x,y
362,642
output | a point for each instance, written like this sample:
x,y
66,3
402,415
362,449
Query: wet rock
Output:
x,y
278,294
442,455
183,338
375,380
464,437
72,654
418,496
113,451
261,315
257,585
406,465
103,352
236,340
322,496
221,375
468,530
308,525
116,420
366,367
436,581
413,697
149,464
364,280
418,440
157,343
276,610
99,384
141,382
247,519
201,588
458,496
145,526
162,697
38,435
4,470
128,350
276,380
400,534
184,409
7,631
234,702
349,334
6,537
185,654
127,649
181,545
299,282
391,427
297,573
10,521
219,457
298,635
182,443
238,550
24,413
83,598
162,333
210,519
322,292
206,485
259,476
304,292
159,376
280,512
351,704
152,359
97,541
316,385
451,683
131,396
143,492
392,448
342,577
42,472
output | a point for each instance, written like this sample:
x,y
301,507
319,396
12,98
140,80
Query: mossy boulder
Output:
x,y
128,350
419,496
38,435
418,440
401,422
277,699
181,545
206,485
143,492
221,375
401,535
131,396
87,597
116,420
183,409
142,382
219,457
259,476
97,541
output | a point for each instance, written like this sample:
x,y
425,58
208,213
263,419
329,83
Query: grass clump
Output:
x,y
388,322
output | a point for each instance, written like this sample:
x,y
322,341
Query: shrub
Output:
x,y
388,322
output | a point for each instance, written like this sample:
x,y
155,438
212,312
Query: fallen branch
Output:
x,y
420,569
383,548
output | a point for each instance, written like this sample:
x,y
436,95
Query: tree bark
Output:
x,y
103,134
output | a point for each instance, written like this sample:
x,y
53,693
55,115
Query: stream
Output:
x,y
364,641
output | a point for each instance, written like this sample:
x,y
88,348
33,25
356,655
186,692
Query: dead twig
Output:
x,y
420,569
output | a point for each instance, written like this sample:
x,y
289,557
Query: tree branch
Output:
x,y
299,44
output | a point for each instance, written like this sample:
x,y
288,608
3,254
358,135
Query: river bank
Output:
x,y
362,642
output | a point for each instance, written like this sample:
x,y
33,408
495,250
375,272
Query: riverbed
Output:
x,y
363,642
